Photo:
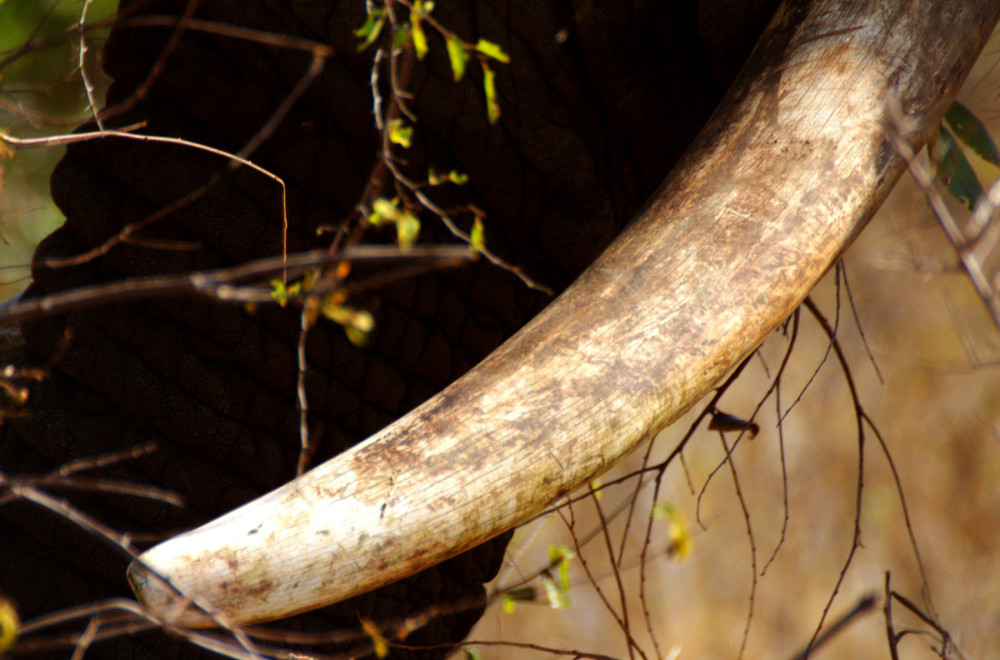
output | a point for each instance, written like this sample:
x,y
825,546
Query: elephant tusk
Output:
x,y
785,174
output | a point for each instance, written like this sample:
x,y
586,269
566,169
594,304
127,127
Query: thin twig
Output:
x,y
860,424
863,606
218,284
753,544
82,65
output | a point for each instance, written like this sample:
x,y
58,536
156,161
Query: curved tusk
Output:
x,y
783,177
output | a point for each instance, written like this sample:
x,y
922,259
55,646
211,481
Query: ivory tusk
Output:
x,y
782,178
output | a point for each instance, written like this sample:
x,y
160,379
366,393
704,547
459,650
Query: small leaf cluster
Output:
x,y
402,32
392,211
458,55
413,33
357,323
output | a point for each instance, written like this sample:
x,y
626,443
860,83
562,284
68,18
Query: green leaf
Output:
x,y
458,57
490,89
279,292
371,28
666,511
282,293
492,50
401,36
972,132
418,34
400,133
953,168
477,237
470,653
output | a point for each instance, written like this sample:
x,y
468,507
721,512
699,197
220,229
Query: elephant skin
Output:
x,y
214,386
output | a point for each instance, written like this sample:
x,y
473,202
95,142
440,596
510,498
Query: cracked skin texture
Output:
x,y
590,127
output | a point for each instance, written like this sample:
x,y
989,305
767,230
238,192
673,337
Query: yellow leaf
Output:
x,y
679,538
379,645
490,89
407,229
560,556
490,49
400,133
458,56
384,209
356,337
9,625
477,237
419,37
595,488
279,292
456,177
357,323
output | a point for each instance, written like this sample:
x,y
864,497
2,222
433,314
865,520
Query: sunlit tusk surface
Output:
x,y
786,173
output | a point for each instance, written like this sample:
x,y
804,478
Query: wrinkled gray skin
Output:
x,y
590,126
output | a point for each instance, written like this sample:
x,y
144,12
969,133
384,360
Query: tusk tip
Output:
x,y
160,601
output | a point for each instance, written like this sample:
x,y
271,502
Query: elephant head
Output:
x,y
785,174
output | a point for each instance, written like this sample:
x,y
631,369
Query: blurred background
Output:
x,y
931,385
41,94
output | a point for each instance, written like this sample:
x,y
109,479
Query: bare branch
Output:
x,y
219,284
